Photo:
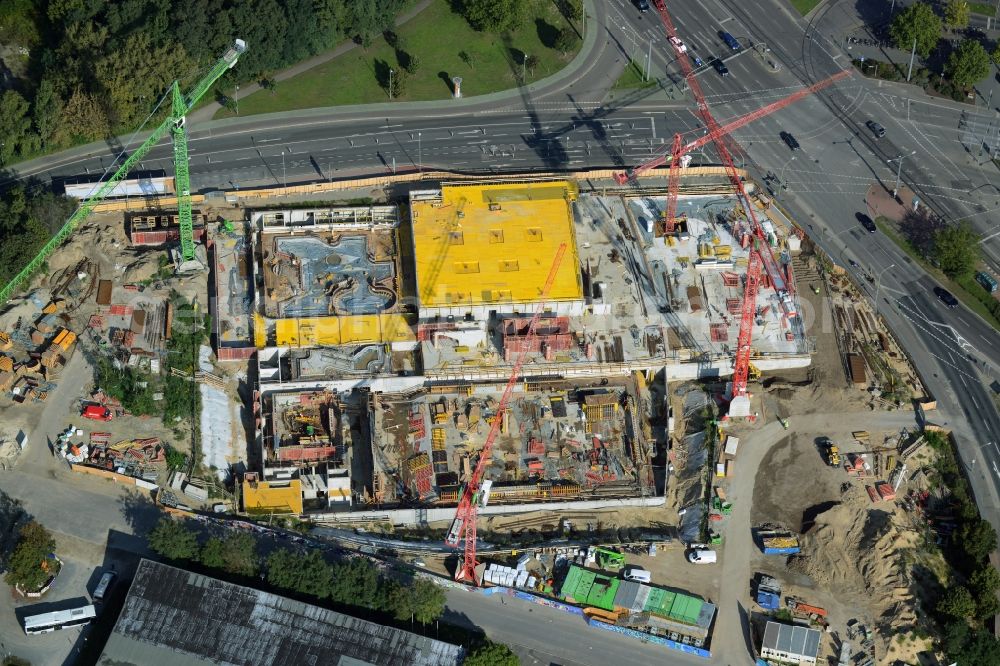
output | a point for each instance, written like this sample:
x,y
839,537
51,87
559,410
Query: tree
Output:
x,y
30,565
135,76
492,654
978,538
957,602
918,21
369,18
235,554
427,600
995,55
566,40
985,580
15,126
46,110
355,582
956,13
411,63
968,63
494,15
173,540
306,573
470,59
956,250
82,118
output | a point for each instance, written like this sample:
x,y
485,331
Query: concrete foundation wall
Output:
x,y
415,516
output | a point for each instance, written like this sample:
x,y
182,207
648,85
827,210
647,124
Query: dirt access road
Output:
x,y
731,638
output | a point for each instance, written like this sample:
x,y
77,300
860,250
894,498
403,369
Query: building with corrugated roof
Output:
x,y
174,617
790,644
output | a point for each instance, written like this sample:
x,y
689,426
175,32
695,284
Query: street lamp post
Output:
x,y
284,173
899,170
420,152
524,66
390,82
237,100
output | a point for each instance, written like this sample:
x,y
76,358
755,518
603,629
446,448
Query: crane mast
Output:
x,y
761,256
174,124
464,526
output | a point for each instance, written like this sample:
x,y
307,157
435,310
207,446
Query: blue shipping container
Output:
x,y
781,551
768,600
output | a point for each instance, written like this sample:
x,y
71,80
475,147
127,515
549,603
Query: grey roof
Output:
x,y
631,595
174,617
791,639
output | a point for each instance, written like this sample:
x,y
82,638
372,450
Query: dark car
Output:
x,y
875,128
720,67
789,140
730,41
946,297
866,222
642,5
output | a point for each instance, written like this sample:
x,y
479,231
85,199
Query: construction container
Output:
x,y
779,543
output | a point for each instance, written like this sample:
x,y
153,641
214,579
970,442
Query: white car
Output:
x,y
678,44
699,556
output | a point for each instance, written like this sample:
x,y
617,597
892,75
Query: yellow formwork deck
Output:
x,y
493,244
261,498
345,330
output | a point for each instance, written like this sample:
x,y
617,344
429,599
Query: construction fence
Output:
x,y
244,196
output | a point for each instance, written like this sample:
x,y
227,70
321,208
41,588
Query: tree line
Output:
x,y
351,582
918,27
97,68
966,605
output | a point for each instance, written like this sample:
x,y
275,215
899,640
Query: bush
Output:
x,y
566,40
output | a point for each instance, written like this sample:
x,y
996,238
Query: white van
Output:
x,y
638,574
699,556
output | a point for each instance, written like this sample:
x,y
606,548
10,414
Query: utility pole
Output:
x,y
913,52
649,57
899,171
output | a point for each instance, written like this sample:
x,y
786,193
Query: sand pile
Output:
x,y
859,553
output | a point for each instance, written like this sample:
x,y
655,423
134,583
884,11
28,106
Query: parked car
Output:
x,y
789,140
699,556
638,574
875,128
720,67
730,41
946,297
866,222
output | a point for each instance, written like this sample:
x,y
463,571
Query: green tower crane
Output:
x,y
175,125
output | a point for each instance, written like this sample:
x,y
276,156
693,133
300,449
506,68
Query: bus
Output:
x,y
103,585
44,623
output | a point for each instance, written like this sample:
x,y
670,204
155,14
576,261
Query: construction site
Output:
x,y
559,441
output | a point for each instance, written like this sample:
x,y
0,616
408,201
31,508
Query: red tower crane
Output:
x,y
464,526
761,255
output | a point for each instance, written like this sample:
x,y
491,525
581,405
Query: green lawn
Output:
x,y
804,6
436,37
632,78
982,8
